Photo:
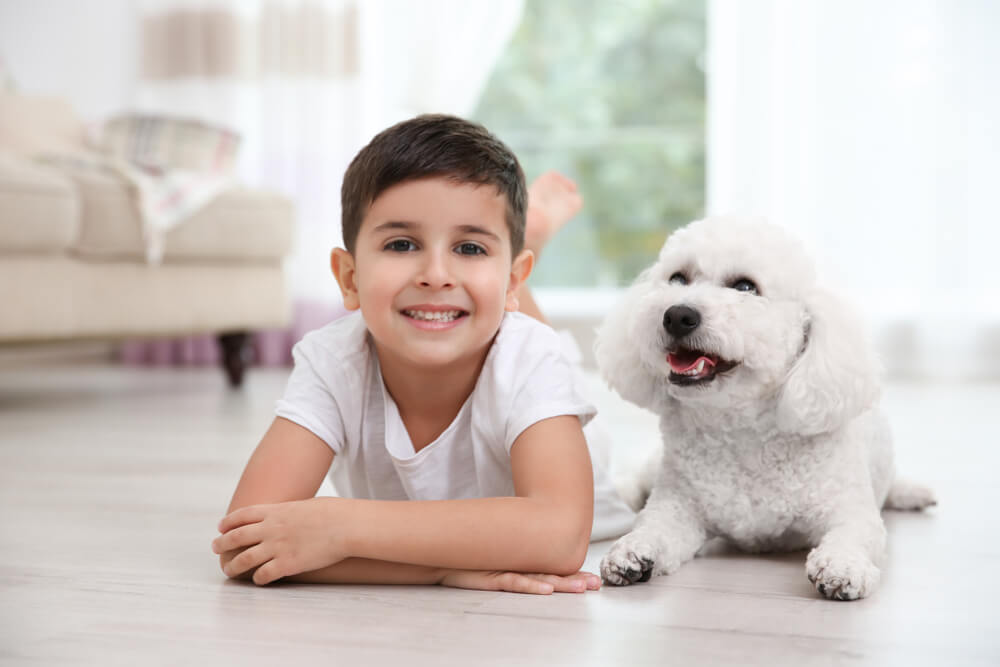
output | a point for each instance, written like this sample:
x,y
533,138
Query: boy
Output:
x,y
438,392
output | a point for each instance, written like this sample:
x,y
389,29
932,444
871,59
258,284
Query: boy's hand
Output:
x,y
516,582
281,540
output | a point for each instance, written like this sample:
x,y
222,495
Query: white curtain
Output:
x,y
308,83
871,128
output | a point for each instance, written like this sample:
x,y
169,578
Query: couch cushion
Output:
x,y
39,210
62,296
241,224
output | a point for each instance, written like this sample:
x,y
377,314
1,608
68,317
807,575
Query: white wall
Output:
x,y
85,52
870,128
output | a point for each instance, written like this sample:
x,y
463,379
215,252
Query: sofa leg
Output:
x,y
235,354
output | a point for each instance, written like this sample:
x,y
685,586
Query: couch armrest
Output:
x,y
32,125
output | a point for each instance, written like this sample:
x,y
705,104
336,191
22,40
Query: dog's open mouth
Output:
x,y
689,367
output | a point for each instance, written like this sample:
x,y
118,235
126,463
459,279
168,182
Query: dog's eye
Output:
x,y
745,285
678,279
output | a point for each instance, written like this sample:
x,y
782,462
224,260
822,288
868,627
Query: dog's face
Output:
x,y
721,314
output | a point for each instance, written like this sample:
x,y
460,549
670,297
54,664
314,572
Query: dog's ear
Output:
x,y
618,349
836,376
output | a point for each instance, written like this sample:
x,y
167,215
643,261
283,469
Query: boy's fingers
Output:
x,y
240,517
511,582
249,559
514,582
266,573
244,536
574,583
593,580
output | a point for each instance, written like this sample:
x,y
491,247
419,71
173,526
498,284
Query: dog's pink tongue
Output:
x,y
681,363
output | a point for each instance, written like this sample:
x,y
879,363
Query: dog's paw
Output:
x,y
905,495
841,575
628,562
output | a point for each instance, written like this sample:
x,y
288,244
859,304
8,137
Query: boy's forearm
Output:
x,y
357,571
518,534
368,571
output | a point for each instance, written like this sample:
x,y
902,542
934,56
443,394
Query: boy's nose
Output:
x,y
435,272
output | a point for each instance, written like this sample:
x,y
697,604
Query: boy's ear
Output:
x,y
519,271
345,272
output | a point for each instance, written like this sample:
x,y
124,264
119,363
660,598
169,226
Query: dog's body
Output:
x,y
767,393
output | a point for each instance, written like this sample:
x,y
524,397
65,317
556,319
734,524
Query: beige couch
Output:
x,y
72,257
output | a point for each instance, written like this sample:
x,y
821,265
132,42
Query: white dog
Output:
x,y
767,393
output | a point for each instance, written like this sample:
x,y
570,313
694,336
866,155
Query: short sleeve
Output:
x,y
545,385
308,400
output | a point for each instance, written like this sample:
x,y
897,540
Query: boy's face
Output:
x,y
432,271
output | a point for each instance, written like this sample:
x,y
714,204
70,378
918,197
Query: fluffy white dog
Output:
x,y
767,392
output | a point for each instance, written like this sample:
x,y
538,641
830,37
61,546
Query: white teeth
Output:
x,y
696,370
433,316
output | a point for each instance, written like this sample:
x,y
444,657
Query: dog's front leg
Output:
x,y
667,534
844,566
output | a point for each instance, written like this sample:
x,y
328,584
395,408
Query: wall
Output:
x,y
82,51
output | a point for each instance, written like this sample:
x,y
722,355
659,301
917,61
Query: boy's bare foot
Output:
x,y
552,201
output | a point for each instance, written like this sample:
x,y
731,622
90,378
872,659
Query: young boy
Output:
x,y
439,393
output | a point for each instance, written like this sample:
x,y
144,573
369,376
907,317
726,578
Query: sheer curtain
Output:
x,y
308,83
870,128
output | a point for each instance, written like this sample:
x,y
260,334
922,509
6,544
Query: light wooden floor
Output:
x,y
112,480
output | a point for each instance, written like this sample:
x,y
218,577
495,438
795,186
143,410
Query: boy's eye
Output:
x,y
470,249
400,245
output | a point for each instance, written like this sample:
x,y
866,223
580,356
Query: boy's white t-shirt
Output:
x,y
336,391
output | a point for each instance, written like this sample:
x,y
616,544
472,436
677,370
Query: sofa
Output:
x,y
73,264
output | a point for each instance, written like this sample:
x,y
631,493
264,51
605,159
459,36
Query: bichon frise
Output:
x,y
767,392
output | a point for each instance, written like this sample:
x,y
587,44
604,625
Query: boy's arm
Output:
x,y
289,464
545,528
365,571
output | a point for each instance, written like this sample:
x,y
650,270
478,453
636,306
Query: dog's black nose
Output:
x,y
679,321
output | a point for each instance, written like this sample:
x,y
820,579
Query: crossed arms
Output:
x,y
276,529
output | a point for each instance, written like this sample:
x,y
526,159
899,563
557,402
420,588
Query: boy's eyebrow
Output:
x,y
473,229
393,224
465,229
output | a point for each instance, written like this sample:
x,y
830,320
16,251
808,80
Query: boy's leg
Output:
x,y
552,201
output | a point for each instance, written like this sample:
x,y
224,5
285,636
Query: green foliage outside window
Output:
x,y
612,94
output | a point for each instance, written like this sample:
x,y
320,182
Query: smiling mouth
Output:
x,y
693,367
440,316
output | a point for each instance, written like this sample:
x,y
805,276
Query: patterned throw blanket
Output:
x,y
176,166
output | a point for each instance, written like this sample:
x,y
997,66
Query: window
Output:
x,y
613,95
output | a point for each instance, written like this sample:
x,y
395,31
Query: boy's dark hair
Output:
x,y
427,146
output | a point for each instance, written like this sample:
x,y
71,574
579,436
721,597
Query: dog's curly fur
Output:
x,y
778,444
